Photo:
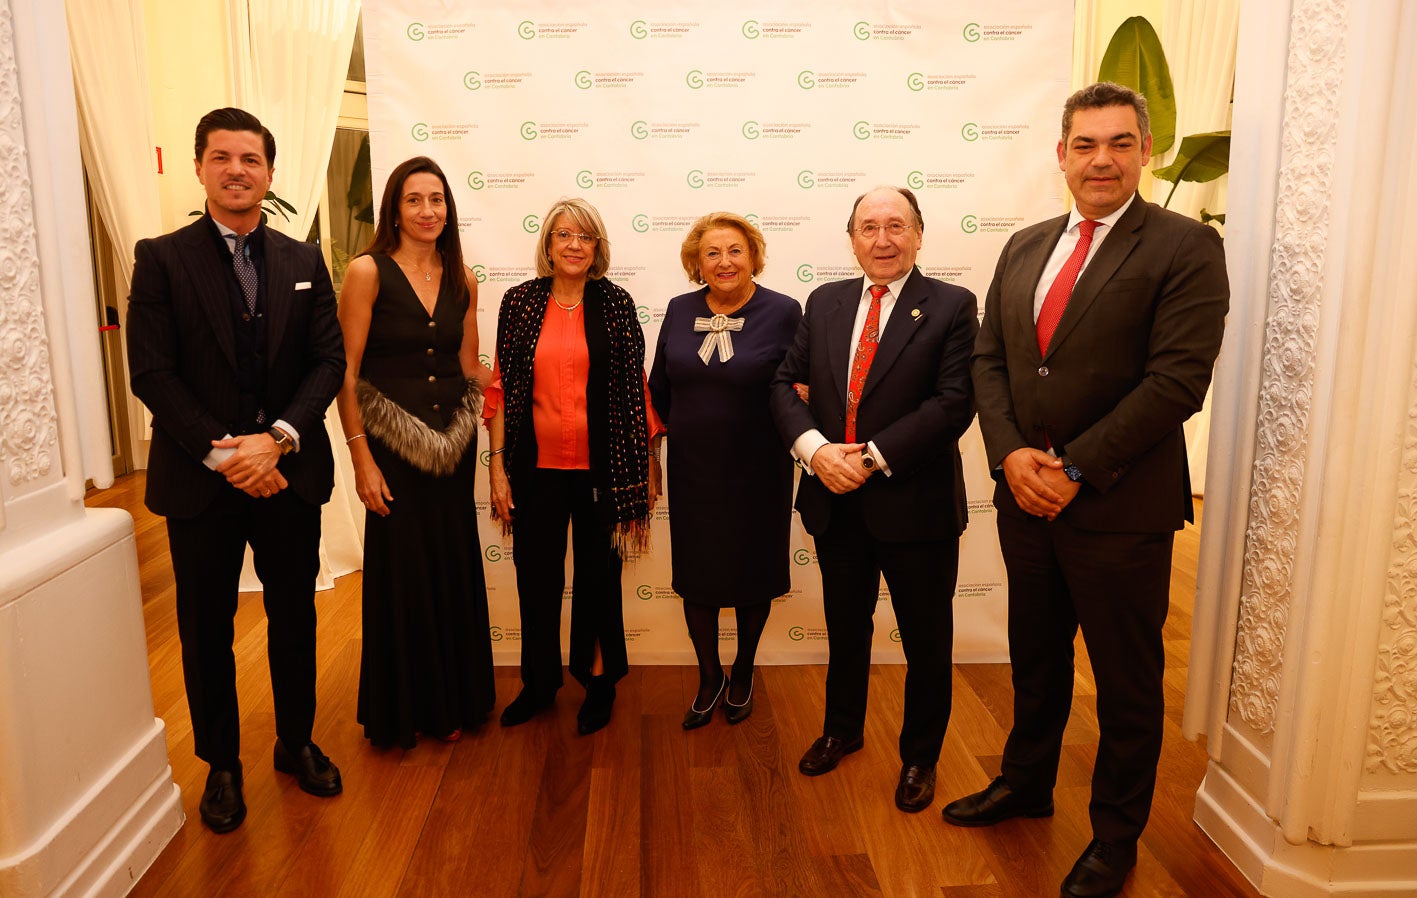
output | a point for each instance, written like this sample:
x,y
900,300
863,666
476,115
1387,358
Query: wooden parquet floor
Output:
x,y
642,808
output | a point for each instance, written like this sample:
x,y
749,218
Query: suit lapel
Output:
x,y
899,330
1110,255
279,293
1030,267
208,271
840,322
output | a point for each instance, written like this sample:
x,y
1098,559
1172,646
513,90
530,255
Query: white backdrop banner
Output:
x,y
782,112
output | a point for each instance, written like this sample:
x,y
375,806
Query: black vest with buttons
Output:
x,y
250,332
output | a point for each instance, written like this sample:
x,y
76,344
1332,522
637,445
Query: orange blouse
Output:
x,y
560,373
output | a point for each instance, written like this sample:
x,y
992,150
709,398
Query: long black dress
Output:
x,y
730,479
426,664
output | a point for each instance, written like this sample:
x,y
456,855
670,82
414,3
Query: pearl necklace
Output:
x,y
568,309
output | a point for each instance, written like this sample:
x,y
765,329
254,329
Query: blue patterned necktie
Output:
x,y
245,272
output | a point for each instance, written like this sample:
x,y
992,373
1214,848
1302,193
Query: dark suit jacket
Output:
x,y
182,361
915,405
1129,363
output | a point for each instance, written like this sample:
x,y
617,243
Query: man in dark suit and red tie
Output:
x,y
1100,331
234,346
885,359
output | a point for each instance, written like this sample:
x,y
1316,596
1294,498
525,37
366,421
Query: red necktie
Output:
x,y
861,362
1057,298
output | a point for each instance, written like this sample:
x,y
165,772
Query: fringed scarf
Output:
x,y
615,399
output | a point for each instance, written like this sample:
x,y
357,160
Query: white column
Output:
x,y
1304,644
87,799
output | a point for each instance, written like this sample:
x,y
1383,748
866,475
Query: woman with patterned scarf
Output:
x,y
570,430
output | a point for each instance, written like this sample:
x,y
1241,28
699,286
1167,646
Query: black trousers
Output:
x,y
207,550
921,576
547,500
1116,587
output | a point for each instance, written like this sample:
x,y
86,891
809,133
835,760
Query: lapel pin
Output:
x,y
914,313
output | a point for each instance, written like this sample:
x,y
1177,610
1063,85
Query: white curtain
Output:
x,y
109,60
289,63
115,120
1200,38
289,60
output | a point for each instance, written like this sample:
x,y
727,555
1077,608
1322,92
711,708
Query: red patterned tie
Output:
x,y
861,362
1058,294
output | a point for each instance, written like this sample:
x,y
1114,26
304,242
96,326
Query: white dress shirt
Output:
x,y
806,445
1067,243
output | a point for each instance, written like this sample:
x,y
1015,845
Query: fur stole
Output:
x,y
436,452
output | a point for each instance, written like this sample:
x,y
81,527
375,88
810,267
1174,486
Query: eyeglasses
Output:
x,y
895,229
566,236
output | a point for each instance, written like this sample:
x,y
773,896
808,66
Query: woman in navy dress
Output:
x,y
730,480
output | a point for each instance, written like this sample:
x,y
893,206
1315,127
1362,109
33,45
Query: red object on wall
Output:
x,y
159,159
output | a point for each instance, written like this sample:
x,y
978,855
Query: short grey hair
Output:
x,y
588,220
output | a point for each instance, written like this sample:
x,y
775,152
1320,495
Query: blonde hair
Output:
x,y
588,220
689,252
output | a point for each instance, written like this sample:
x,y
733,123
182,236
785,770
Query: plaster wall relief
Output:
x,y
1297,266
29,440
1392,730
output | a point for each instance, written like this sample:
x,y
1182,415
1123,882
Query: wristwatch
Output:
x,y
868,461
1073,471
284,441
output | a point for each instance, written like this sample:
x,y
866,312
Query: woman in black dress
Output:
x,y
409,405
728,472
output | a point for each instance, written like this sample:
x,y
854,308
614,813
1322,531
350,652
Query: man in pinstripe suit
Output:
x,y
234,346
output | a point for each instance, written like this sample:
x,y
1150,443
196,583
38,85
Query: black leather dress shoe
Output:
x,y
316,773
739,713
222,806
916,789
1101,870
995,805
524,707
694,718
826,753
595,710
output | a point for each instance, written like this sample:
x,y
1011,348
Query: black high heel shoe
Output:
x,y
739,713
694,718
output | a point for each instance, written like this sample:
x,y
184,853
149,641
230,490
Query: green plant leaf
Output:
x,y
1201,158
1134,58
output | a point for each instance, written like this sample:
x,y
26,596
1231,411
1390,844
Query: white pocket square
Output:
x,y
302,285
